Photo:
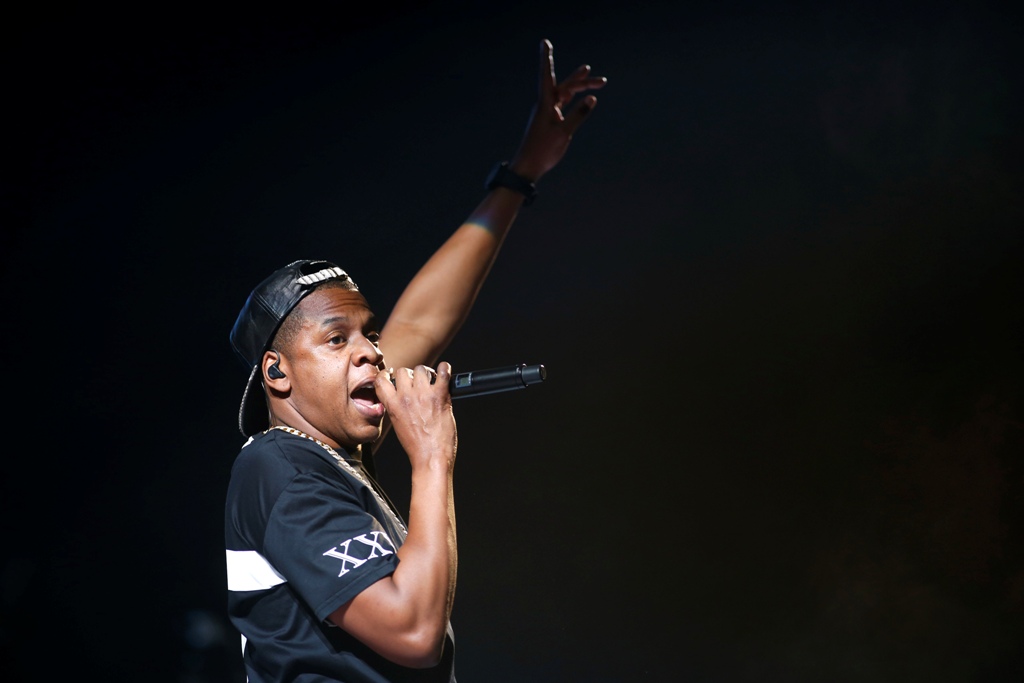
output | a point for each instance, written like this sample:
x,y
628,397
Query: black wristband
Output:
x,y
503,176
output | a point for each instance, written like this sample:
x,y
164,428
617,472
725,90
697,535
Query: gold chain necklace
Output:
x,y
345,465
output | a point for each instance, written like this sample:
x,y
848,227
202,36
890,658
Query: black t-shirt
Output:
x,y
304,536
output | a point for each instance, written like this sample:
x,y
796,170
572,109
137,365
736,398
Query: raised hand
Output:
x,y
555,117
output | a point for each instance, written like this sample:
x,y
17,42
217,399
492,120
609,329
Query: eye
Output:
x,y
374,337
336,339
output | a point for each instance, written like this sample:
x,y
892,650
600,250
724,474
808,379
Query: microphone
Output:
x,y
480,382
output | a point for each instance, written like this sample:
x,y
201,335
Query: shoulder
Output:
x,y
274,462
272,467
279,456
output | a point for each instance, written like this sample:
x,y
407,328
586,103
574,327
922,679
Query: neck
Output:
x,y
352,453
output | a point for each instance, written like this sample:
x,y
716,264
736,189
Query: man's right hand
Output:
x,y
420,409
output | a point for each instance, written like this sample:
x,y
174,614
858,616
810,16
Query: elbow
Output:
x,y
420,650
400,631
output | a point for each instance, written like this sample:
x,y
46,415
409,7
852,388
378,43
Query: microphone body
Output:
x,y
494,380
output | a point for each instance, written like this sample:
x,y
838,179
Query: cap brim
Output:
x,y
253,415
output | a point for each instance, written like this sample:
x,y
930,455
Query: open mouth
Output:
x,y
365,394
365,398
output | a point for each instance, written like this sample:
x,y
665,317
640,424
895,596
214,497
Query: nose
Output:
x,y
368,352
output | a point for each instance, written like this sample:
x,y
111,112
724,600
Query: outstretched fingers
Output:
x,y
580,79
559,95
546,84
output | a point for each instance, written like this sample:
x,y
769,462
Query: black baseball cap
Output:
x,y
267,306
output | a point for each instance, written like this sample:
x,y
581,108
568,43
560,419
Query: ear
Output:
x,y
275,374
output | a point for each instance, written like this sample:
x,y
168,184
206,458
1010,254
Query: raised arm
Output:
x,y
437,301
403,616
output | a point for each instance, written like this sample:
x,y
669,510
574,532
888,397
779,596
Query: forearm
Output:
x,y
429,556
437,301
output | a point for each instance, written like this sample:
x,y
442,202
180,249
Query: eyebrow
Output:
x,y
343,320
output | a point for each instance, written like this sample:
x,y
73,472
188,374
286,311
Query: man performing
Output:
x,y
326,582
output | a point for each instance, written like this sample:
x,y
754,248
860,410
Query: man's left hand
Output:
x,y
555,117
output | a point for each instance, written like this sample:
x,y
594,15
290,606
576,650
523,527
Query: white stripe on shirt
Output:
x,y
250,571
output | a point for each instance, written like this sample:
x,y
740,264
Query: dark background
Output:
x,y
776,282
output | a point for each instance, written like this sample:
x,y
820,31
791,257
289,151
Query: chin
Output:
x,y
373,436
364,436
